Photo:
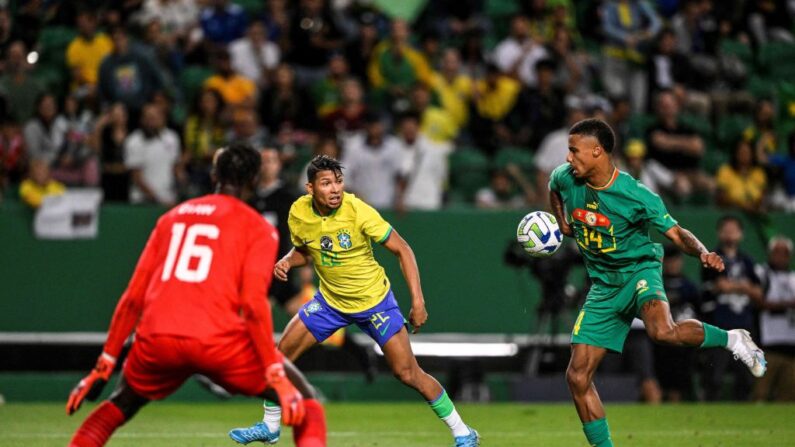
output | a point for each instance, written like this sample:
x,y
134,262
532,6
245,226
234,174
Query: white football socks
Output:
x,y
457,426
272,417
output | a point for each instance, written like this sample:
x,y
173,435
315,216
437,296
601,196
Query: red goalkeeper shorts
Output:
x,y
157,365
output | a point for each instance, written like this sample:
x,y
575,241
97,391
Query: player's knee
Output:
x,y
406,374
577,378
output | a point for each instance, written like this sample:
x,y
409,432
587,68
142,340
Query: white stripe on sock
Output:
x,y
272,418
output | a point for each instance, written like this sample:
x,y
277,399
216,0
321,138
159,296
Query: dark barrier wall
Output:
x,y
53,286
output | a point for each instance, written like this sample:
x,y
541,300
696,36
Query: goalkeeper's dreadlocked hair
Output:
x,y
237,165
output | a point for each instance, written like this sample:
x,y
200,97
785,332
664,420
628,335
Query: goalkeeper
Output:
x,y
197,302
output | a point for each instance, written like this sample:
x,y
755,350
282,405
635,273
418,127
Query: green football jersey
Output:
x,y
611,224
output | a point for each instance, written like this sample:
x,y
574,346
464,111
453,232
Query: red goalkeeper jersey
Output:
x,y
204,274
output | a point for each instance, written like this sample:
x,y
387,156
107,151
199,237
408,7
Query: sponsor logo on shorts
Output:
x,y
312,307
326,243
378,320
344,238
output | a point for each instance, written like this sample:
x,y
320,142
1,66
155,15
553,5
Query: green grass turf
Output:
x,y
413,425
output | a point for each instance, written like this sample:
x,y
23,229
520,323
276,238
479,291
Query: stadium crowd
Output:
x,y
429,104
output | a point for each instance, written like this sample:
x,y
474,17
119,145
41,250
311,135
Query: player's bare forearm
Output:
x,y
296,258
408,265
418,315
556,203
689,243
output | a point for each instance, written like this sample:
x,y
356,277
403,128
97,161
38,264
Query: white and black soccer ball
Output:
x,y
539,234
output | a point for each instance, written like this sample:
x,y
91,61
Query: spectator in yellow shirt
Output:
x,y
39,184
494,97
395,66
435,122
742,182
86,51
236,90
453,88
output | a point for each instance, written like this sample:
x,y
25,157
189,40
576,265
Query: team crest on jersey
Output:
x,y
590,218
326,243
344,238
642,286
312,307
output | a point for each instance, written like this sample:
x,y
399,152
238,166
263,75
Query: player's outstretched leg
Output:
x,y
398,354
579,375
108,416
662,329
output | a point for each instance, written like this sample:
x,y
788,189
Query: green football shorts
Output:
x,y
607,314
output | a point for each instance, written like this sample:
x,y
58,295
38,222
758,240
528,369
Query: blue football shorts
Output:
x,y
380,322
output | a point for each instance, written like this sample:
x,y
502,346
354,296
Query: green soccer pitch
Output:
x,y
414,425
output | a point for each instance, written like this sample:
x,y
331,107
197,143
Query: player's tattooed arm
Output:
x,y
556,203
689,243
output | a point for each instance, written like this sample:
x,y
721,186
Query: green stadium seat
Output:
x,y
713,159
785,93
192,79
519,156
738,49
777,60
729,129
469,171
639,123
761,87
698,123
253,8
53,42
501,8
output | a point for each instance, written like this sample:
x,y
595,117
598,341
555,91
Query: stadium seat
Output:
x,y
469,171
777,60
53,41
192,79
698,123
519,156
729,129
713,159
253,8
738,49
761,87
639,123
786,98
501,8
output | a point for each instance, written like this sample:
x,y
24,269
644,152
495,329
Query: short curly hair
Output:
x,y
598,129
238,165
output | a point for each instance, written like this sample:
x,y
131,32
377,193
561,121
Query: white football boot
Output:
x,y
746,351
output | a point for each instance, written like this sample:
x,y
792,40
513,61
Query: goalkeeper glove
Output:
x,y
290,399
90,387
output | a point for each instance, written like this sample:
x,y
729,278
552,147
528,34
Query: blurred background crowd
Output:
x,y
429,103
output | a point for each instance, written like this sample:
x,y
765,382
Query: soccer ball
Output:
x,y
539,234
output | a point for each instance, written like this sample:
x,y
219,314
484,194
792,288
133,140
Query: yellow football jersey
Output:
x,y
340,244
